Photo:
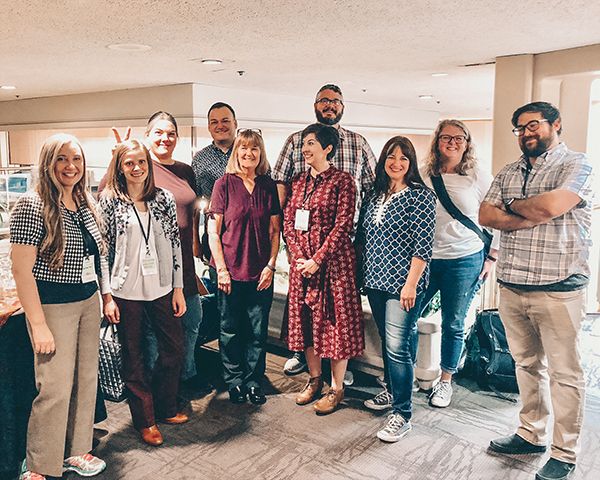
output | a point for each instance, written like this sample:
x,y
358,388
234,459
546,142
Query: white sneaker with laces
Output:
x,y
381,401
441,394
381,381
85,465
348,378
395,428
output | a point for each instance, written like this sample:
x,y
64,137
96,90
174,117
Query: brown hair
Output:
x,y
116,185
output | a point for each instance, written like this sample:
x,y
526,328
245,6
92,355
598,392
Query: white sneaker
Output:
x,y
381,401
441,395
395,428
348,378
295,365
84,465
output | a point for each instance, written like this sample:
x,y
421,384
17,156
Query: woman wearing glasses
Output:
x,y
459,262
244,241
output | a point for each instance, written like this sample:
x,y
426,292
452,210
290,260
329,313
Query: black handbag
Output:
x,y
111,364
456,214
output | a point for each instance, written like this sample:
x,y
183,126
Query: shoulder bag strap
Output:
x,y
452,209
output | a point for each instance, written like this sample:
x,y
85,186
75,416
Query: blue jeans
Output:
x,y
457,281
399,328
191,321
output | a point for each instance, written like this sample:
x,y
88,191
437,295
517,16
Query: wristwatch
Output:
x,y
508,203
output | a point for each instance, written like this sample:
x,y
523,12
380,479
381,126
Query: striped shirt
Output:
x,y
553,251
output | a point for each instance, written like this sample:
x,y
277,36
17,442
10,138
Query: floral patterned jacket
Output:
x,y
115,216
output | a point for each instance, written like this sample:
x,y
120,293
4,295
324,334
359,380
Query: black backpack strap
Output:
x,y
448,204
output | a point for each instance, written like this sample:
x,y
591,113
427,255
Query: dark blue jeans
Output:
x,y
399,328
457,281
244,323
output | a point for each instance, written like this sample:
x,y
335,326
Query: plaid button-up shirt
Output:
x,y
551,252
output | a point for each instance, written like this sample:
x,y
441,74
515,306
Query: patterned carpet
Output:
x,y
283,441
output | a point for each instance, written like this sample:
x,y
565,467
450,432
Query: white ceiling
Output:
x,y
390,49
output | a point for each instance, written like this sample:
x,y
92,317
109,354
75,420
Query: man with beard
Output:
x,y
543,204
354,155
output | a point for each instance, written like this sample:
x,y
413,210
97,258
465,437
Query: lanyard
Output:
x,y
145,234
75,217
526,177
307,196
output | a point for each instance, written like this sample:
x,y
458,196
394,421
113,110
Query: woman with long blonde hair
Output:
x,y
57,258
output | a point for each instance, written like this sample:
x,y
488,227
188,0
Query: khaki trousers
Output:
x,y
62,415
543,335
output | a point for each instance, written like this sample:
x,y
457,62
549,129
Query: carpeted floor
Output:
x,y
283,441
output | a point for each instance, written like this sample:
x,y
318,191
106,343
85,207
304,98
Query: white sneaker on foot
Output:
x,y
348,378
395,428
85,465
441,395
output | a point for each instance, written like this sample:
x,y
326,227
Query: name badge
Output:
x,y
302,217
88,272
149,264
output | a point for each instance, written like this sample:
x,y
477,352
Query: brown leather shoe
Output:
x,y
329,402
152,436
311,391
176,420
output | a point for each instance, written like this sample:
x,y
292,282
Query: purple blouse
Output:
x,y
245,227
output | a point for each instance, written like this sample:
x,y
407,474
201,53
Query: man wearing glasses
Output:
x,y
542,204
354,155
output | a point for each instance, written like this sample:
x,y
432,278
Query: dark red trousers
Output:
x,y
153,396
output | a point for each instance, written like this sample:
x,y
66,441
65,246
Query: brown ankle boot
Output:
x,y
329,402
311,391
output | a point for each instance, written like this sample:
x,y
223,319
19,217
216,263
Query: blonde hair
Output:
x,y
116,185
51,192
255,139
434,162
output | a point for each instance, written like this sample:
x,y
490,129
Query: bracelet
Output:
x,y
270,267
490,258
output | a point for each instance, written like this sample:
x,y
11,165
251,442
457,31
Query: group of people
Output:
x,y
349,222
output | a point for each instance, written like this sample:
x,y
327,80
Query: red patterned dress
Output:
x,y
324,310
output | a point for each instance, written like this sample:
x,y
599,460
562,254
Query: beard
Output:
x,y
537,148
328,120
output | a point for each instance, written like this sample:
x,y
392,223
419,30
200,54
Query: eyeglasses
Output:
x,y
458,139
531,126
329,101
258,131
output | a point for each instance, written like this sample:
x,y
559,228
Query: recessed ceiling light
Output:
x,y
8,87
129,47
440,74
426,97
211,61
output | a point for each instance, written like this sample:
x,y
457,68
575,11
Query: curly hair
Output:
x,y
434,162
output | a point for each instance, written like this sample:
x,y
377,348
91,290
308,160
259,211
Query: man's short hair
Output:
x,y
214,106
547,110
330,86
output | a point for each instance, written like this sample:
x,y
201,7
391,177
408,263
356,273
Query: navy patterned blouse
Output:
x,y
394,231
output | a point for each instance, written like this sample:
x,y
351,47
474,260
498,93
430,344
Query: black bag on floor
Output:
x,y
488,359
